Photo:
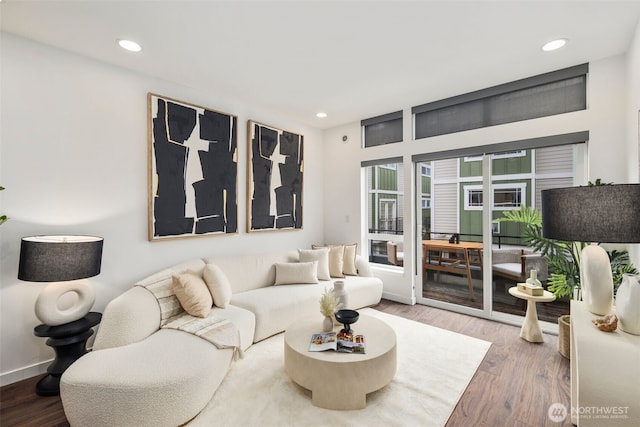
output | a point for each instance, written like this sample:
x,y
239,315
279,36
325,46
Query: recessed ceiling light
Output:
x,y
554,44
321,115
129,45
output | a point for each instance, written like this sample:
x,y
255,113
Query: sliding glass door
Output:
x,y
450,245
474,212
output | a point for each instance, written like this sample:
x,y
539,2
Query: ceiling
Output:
x,y
350,59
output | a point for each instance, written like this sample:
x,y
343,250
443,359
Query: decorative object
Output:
x,y
69,342
608,323
596,213
533,279
193,158
61,259
275,184
328,306
341,295
327,324
564,336
529,289
347,318
628,304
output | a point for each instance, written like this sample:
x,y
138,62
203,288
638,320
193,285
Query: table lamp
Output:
x,y
63,260
597,214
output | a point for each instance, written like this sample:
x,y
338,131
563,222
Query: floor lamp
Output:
x,y
598,214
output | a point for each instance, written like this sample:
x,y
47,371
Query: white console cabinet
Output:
x,y
605,373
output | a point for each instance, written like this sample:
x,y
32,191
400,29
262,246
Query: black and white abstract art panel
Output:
x,y
276,166
193,170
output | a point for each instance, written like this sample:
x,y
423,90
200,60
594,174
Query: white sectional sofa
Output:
x,y
141,374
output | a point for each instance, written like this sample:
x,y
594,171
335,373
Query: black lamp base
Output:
x,y
69,342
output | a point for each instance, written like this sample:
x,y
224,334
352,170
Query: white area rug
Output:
x,y
434,368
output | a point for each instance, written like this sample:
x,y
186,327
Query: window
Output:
x,y
382,130
384,182
426,202
505,196
558,92
425,170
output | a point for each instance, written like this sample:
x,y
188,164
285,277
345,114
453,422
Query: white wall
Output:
x,y
74,160
605,118
633,122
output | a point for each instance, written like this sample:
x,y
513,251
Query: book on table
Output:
x,y
340,342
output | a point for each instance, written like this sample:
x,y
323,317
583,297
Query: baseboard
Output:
x,y
24,373
398,298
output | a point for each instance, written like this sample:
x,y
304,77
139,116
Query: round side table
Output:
x,y
69,342
531,328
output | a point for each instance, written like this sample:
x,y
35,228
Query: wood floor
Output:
x,y
514,386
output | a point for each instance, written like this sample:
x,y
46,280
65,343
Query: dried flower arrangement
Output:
x,y
328,303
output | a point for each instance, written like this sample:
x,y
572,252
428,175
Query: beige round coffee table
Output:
x,y
341,380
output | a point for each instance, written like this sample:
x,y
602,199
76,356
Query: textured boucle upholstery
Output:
x,y
275,306
141,375
135,384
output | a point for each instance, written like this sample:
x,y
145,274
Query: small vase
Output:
x,y
327,324
533,278
628,304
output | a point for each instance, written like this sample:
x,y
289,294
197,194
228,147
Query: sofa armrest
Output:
x,y
129,318
363,267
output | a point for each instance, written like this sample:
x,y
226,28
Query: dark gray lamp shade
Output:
x,y
601,214
59,258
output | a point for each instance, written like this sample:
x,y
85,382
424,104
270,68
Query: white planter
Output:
x,y
628,304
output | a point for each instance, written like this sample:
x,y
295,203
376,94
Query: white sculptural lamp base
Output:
x,y
51,309
596,279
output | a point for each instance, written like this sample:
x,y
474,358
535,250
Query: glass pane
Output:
x,y
513,254
452,231
385,218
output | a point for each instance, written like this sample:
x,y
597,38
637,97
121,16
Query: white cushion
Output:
x,y
349,259
322,256
218,285
296,273
336,259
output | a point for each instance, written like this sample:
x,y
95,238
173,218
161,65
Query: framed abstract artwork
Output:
x,y
193,170
274,184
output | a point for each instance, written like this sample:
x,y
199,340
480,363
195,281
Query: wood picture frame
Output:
x,y
193,170
275,178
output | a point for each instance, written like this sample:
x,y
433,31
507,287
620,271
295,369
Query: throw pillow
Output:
x,y
322,256
336,259
349,268
218,285
193,294
296,273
